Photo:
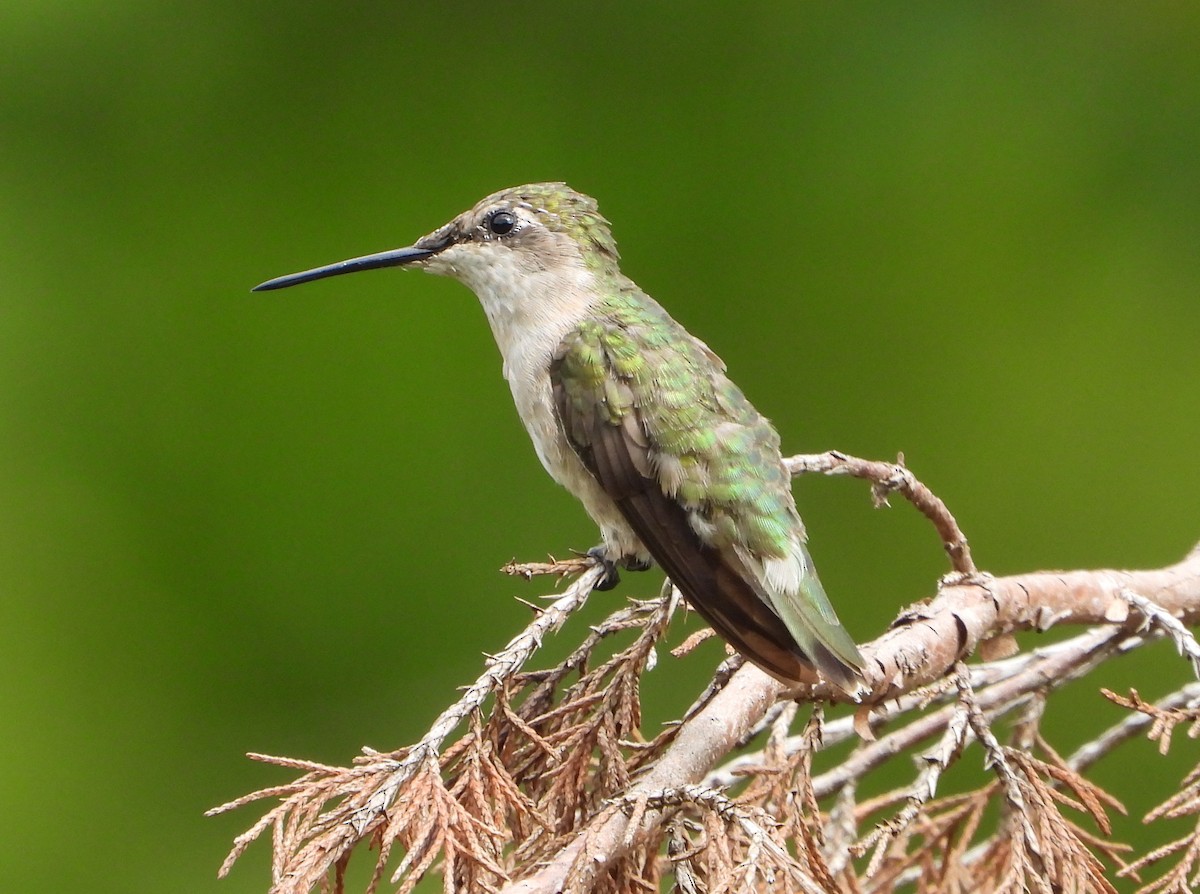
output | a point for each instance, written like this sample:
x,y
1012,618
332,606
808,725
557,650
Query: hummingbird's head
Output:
x,y
512,234
521,232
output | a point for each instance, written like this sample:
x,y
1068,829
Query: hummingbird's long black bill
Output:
x,y
394,258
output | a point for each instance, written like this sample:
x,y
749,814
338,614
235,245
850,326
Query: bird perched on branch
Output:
x,y
637,419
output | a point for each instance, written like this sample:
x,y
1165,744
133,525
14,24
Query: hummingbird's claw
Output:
x,y
611,577
600,555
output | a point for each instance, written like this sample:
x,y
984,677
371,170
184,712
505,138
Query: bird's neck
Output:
x,y
530,314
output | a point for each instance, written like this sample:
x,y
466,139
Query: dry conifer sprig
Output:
x,y
542,780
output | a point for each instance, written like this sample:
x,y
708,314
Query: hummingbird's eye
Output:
x,y
502,222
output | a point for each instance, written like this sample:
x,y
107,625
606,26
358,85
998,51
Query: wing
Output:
x,y
656,426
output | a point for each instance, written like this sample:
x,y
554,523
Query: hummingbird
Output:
x,y
637,419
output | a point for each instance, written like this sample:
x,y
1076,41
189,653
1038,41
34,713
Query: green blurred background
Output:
x,y
969,232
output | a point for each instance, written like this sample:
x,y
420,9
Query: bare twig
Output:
x,y
894,478
556,567
1156,615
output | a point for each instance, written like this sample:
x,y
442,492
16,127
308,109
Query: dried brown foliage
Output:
x,y
544,779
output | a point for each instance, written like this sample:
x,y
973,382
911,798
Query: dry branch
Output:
x,y
542,781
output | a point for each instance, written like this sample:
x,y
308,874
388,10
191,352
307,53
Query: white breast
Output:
x,y
530,313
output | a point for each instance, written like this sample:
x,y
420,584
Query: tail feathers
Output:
x,y
794,593
731,595
811,619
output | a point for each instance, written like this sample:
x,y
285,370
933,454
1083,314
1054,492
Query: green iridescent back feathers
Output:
x,y
724,456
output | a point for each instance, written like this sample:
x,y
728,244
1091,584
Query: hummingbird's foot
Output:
x,y
611,578
601,555
633,563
